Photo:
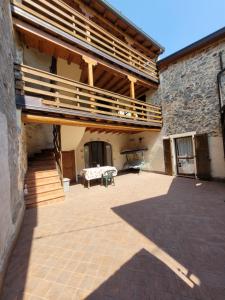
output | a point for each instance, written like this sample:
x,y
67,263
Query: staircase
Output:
x,y
42,181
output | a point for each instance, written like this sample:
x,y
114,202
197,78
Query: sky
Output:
x,y
174,23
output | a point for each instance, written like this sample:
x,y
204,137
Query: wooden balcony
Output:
x,y
63,95
72,25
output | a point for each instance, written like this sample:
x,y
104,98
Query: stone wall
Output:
x,y
189,98
11,175
188,93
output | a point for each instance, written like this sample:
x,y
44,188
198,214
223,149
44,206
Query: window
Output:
x,y
97,153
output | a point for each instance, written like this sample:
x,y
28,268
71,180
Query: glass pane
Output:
x,y
86,156
184,147
108,155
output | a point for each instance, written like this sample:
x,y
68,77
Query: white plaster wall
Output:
x,y
36,59
38,137
71,71
154,156
217,157
74,138
71,137
117,141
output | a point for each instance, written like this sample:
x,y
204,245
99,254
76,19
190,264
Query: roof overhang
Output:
x,y
209,39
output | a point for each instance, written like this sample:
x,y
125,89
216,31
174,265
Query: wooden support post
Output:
x,y
132,80
91,63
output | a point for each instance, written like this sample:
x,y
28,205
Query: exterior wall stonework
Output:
x,y
188,93
11,175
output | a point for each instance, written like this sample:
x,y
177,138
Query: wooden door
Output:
x,y
68,165
202,156
167,157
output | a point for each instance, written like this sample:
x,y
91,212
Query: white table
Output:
x,y
96,173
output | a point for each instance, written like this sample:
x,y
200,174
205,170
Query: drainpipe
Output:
x,y
221,100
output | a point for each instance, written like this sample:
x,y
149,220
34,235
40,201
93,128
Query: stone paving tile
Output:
x,y
149,237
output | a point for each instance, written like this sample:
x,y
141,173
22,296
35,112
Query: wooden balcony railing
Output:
x,y
70,21
60,92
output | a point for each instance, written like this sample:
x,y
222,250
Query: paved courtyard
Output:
x,y
149,237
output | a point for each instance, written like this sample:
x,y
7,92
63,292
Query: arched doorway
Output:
x,y
97,153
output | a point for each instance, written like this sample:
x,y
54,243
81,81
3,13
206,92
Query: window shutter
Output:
x,y
202,156
167,156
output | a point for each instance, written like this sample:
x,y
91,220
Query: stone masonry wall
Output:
x,y
189,98
188,93
11,174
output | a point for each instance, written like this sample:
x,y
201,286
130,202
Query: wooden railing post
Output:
x,y
132,80
91,63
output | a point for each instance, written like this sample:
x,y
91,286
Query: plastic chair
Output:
x,y
108,178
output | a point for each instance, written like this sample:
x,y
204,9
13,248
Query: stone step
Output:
x,y
42,156
42,181
50,150
34,174
43,188
41,168
44,196
41,161
31,204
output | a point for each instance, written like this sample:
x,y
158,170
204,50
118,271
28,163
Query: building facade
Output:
x,y
79,84
73,86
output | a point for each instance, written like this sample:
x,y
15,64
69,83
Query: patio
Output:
x,y
149,237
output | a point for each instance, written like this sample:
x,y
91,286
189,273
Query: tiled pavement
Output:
x,y
149,237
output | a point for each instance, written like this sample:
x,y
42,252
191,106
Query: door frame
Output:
x,y
173,138
177,158
74,163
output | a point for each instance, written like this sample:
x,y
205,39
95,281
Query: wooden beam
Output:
x,y
120,86
97,73
113,83
104,80
30,118
39,34
124,89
